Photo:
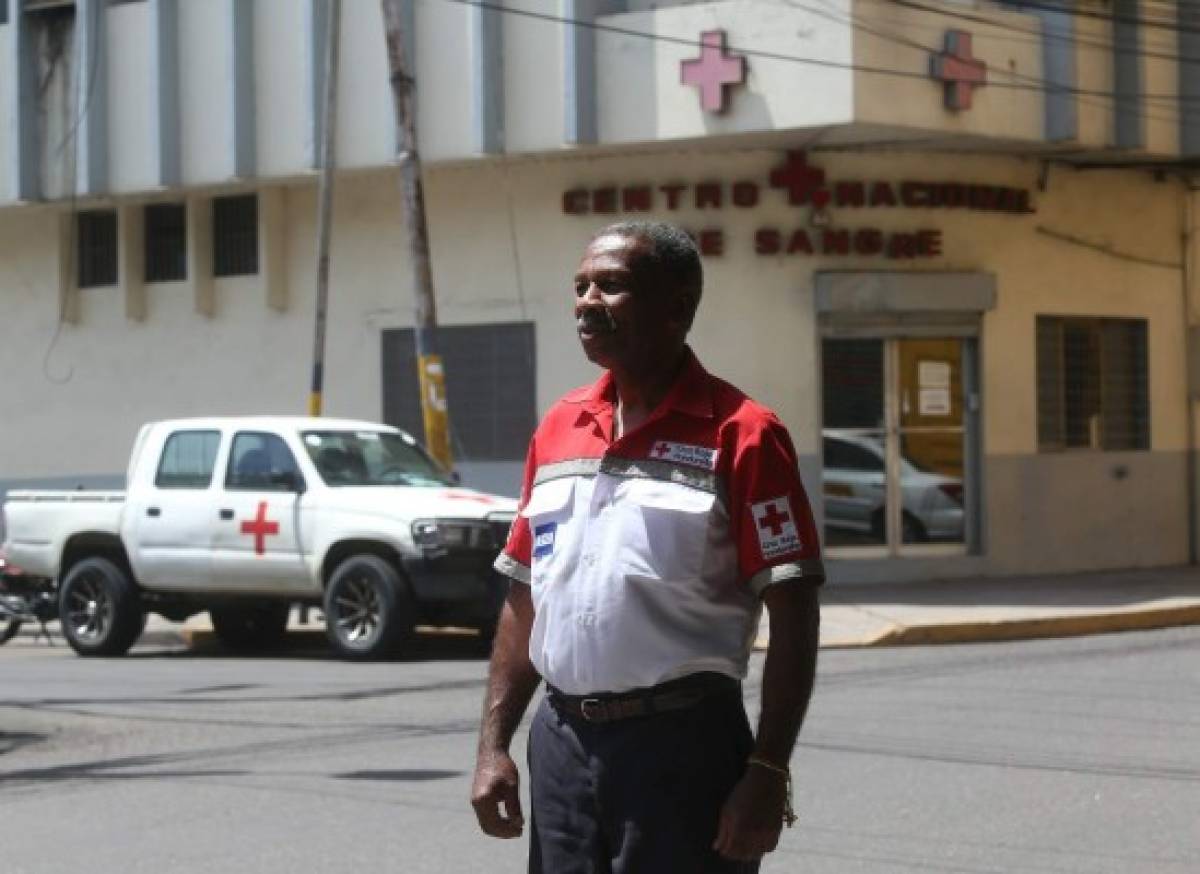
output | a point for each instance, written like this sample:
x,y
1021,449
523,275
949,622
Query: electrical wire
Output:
x,y
1038,85
1036,37
68,150
1105,102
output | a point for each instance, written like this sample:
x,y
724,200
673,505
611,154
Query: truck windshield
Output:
x,y
371,458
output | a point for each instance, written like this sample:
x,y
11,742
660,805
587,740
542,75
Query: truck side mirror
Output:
x,y
288,480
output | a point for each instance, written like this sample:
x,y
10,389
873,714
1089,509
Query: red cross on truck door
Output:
x,y
260,528
259,516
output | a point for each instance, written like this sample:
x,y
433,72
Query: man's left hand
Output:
x,y
752,816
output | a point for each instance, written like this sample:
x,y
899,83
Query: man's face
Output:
x,y
624,321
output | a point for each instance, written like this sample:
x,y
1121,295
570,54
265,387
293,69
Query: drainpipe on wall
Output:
x,y
1191,381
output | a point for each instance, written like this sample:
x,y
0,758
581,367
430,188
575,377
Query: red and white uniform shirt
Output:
x,y
648,555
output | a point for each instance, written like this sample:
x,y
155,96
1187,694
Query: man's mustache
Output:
x,y
596,320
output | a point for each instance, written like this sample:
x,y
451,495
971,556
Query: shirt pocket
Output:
x,y
549,511
666,529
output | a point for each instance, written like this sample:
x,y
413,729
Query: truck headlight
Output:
x,y
441,535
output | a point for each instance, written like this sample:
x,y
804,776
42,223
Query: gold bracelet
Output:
x,y
789,814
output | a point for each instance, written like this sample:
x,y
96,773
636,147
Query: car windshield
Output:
x,y
371,458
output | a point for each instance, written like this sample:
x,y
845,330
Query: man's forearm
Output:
x,y
512,679
790,668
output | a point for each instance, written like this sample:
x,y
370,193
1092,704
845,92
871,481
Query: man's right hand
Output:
x,y
496,796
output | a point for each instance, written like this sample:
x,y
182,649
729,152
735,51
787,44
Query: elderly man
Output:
x,y
661,509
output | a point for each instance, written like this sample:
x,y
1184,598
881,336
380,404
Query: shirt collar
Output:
x,y
691,393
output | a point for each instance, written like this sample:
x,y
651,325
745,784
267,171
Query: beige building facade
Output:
x,y
976,328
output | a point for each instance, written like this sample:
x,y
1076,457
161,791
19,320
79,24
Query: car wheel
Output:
x,y
100,609
251,628
368,609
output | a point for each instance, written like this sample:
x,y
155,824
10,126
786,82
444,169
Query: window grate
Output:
x,y
490,384
166,242
235,235
1092,384
96,233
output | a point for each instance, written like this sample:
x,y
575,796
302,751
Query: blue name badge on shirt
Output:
x,y
543,539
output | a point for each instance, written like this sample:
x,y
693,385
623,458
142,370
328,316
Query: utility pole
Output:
x,y
325,202
431,375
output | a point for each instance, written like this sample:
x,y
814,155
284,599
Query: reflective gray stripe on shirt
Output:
x,y
571,467
510,567
665,471
629,468
809,570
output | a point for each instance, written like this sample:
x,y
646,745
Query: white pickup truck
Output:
x,y
244,516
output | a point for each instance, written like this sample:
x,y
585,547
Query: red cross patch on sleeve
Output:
x,y
776,527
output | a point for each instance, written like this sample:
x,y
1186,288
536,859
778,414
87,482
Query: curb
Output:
x,y
1047,627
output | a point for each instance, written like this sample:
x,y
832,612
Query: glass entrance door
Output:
x,y
896,444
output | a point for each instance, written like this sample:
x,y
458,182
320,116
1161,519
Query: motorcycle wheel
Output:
x,y
8,629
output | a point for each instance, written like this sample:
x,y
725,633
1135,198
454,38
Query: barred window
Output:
x,y
166,242
1093,384
235,235
490,384
96,252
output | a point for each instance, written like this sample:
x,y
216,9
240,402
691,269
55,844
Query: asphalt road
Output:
x,y
1049,756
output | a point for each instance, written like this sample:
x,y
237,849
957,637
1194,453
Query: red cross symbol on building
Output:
x,y
960,72
712,71
260,527
803,183
774,520
661,450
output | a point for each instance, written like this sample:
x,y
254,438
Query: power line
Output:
x,y
1036,37
1044,85
1108,98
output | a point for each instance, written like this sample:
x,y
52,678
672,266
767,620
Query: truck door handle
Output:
x,y
153,511
226,514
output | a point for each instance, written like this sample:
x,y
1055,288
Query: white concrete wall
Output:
x,y
443,73
366,121
131,98
281,96
641,97
205,76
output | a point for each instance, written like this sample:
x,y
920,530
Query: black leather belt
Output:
x,y
673,695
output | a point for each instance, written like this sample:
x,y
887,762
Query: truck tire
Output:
x,y
251,627
100,609
368,609
8,629
491,620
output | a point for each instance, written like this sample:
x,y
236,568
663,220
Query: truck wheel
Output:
x,y
100,610
251,628
368,609
491,619
8,629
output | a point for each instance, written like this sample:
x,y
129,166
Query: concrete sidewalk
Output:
x,y
951,611
1008,608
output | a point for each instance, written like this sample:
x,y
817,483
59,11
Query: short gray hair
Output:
x,y
670,252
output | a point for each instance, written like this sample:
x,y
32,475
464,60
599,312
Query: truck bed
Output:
x,y
38,522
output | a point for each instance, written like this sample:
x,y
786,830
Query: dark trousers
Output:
x,y
635,796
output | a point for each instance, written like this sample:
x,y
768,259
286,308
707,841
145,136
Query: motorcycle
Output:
x,y
24,599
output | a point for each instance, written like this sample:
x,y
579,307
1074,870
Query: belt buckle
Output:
x,y
587,704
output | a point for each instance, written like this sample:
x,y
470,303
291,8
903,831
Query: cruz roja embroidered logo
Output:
x,y
777,534
543,539
683,453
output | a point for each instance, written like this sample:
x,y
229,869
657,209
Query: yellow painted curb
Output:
x,y
1053,626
